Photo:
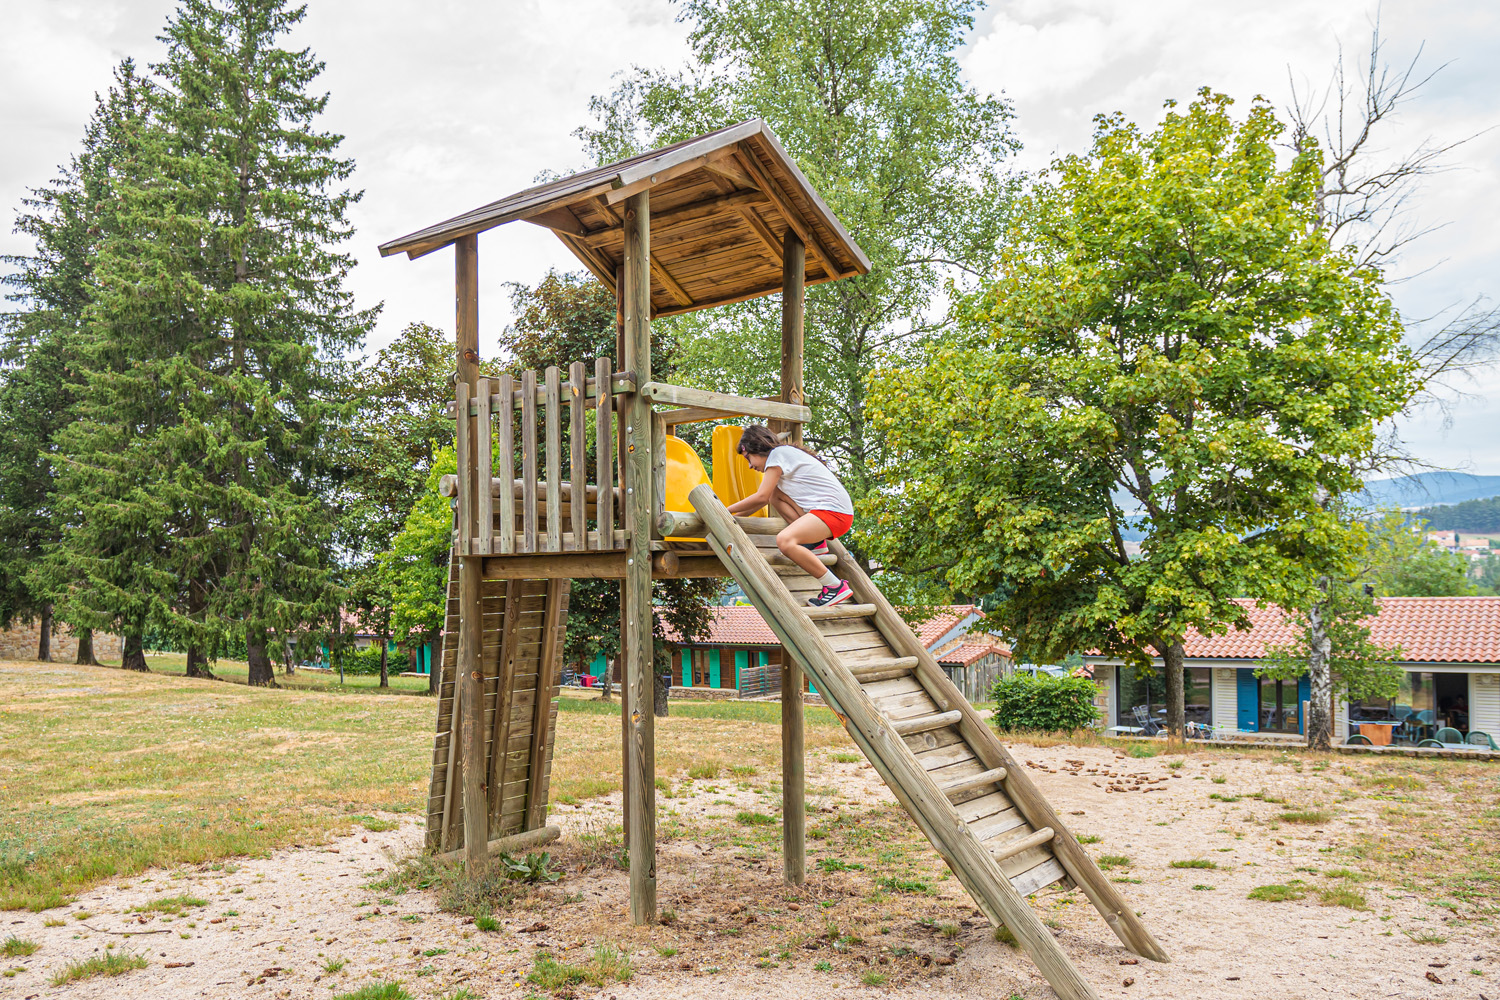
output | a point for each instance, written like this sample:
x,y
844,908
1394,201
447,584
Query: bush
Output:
x,y
1043,703
366,661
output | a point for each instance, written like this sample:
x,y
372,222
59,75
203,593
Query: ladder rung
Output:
x,y
883,670
926,723
841,611
775,558
991,777
1015,847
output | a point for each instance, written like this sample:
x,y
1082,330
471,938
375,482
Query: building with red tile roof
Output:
x,y
1450,658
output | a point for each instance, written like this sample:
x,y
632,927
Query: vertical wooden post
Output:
x,y
470,620
638,645
793,775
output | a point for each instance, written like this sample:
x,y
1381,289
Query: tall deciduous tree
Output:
x,y
868,98
1171,343
213,369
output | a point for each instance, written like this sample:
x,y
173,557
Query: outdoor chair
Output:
x,y
1448,736
1482,739
1143,719
1431,745
1358,741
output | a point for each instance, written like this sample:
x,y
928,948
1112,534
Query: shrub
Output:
x,y
1043,703
366,661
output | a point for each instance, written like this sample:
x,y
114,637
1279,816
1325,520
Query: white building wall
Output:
x,y
1104,699
1224,697
1484,704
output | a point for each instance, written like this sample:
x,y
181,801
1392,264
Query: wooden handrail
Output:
x,y
737,406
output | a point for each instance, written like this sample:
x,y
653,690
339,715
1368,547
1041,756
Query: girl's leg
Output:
x,y
792,540
788,508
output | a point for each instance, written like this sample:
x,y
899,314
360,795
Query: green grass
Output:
x,y
753,819
170,904
15,947
912,886
706,770
823,966
111,963
335,965
375,991
873,978
1203,888
1004,936
608,965
1108,861
488,924
1427,937
1343,896
1089,838
733,711
1194,863
1142,752
1309,816
1277,893
845,758
838,865
375,825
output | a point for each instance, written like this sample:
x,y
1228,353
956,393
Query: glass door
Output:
x,y
1280,711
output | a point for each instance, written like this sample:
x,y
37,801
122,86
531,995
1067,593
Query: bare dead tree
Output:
x,y
1365,199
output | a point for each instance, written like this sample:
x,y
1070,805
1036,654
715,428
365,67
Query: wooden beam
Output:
x,y
638,646
790,214
730,171
605,565
505,693
470,616
679,395
793,775
560,220
665,222
688,524
592,259
678,292
793,295
753,293
645,184
515,842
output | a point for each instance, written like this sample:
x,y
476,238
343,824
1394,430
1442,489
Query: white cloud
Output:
x,y
449,104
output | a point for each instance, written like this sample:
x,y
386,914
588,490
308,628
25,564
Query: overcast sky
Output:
x,y
448,104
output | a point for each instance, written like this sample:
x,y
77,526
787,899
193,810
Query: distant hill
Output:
x,y
1471,515
1431,489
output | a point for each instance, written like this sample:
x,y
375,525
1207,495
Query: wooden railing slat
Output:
x,y
604,460
554,459
577,468
528,461
507,456
461,452
484,444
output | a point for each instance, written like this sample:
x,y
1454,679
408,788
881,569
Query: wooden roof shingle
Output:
x,y
721,205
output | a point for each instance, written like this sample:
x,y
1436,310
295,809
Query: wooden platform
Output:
x,y
525,622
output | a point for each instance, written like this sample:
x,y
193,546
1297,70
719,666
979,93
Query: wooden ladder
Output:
x,y
992,826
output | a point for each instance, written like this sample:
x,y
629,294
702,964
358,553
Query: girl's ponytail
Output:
x,y
758,440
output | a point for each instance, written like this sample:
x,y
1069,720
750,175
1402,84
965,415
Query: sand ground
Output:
x,y
271,924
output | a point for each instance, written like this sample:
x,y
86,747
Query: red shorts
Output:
x,y
837,523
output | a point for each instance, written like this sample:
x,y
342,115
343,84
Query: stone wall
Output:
x,y
19,643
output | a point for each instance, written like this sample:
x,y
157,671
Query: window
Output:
x,y
1143,696
1426,702
700,668
1280,711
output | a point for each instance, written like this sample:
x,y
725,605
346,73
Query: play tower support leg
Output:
x,y
793,755
470,619
638,644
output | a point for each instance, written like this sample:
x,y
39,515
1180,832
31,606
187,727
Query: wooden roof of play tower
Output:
x,y
721,205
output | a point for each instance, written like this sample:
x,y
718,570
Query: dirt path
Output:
x,y
271,924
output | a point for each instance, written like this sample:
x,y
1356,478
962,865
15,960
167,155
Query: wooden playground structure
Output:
x,y
722,218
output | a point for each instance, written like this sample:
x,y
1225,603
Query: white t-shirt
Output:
x,y
808,481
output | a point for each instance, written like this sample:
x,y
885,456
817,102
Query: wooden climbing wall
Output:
x,y
525,622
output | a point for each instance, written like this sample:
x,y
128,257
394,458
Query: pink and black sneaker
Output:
x,y
817,548
829,596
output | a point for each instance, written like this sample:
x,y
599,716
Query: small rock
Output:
x,y
944,960
1437,965
217,920
793,907
534,928
1433,977
1130,961
1128,982
177,965
364,840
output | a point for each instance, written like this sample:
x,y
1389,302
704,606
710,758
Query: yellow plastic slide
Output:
x,y
733,477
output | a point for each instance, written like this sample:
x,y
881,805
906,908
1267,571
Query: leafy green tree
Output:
x,y
212,368
1403,562
869,99
414,570
1170,344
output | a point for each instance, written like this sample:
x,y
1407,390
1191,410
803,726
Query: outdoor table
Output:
x,y
1378,733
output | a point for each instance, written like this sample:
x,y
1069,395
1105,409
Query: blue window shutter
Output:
x,y
687,668
713,669
1249,700
1304,692
741,662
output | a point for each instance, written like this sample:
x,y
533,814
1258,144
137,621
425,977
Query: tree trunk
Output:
x,y
44,634
197,663
1172,660
86,648
335,643
134,657
609,680
385,676
288,658
662,684
1319,721
262,674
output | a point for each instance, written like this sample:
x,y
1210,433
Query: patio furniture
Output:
x,y
1358,740
1480,739
1448,736
1149,726
1431,745
1379,733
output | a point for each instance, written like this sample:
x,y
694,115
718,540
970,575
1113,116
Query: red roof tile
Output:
x,y
970,652
1428,630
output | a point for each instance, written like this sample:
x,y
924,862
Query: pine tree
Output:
x,y
38,355
215,344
